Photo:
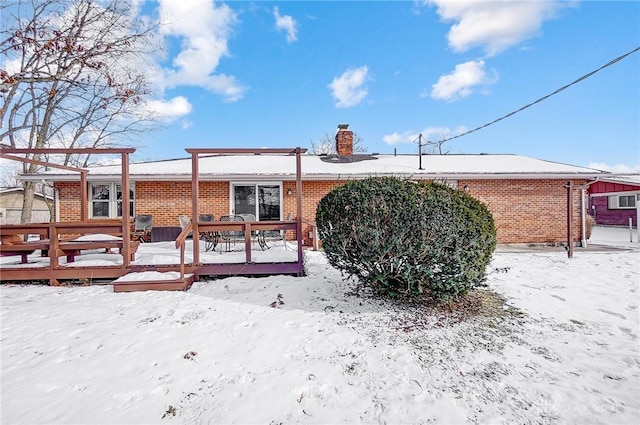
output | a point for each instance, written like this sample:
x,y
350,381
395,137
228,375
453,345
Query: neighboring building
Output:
x,y
614,200
11,206
527,197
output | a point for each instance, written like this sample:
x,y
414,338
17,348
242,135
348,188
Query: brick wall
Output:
x,y
527,210
166,200
163,200
524,210
312,192
69,193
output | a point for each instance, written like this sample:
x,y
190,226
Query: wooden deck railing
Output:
x,y
180,242
57,238
245,227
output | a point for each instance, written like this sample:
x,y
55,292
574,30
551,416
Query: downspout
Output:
x,y
583,218
583,212
638,217
569,187
56,201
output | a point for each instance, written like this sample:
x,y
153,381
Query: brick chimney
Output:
x,y
344,140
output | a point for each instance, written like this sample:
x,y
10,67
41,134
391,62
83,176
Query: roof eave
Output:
x,y
420,175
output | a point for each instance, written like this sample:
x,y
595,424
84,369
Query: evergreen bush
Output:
x,y
407,239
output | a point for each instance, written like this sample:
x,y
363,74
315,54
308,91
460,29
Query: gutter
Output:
x,y
312,177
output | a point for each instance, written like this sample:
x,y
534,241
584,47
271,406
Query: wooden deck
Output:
x,y
59,233
182,284
55,272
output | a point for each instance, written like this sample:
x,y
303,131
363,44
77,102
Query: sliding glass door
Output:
x,y
261,200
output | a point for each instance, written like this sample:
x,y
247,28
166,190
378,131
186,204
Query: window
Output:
x,y
261,200
617,202
106,200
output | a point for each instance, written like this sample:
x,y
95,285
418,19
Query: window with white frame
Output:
x,y
622,202
263,200
105,200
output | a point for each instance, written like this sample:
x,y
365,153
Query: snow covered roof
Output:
x,y
10,189
315,167
630,179
4,190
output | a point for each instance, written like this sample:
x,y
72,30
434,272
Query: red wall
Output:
x,y
607,187
603,215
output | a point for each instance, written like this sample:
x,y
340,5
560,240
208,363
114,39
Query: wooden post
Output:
x,y
126,211
194,207
299,206
583,217
570,219
247,242
84,196
638,217
53,246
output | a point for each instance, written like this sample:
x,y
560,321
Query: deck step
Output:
x,y
122,285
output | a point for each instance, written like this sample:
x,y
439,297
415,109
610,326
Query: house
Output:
x,y
614,200
11,206
527,197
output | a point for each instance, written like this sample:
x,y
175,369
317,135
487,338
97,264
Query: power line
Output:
x,y
584,77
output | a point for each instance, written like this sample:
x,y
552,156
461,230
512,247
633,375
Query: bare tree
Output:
x,y
327,145
434,147
72,77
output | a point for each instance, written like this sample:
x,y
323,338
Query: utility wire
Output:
x,y
584,77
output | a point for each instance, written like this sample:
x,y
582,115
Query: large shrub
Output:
x,y
407,239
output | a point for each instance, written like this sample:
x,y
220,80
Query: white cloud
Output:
x,y
286,23
428,134
203,29
393,138
461,81
169,110
349,89
493,25
617,168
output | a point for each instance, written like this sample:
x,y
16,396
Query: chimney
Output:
x,y
344,140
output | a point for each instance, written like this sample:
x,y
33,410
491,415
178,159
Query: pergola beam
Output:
x,y
235,151
43,163
80,151
8,153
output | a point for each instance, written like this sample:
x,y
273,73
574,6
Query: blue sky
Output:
x,y
283,74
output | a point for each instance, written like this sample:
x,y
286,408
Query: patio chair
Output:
x,y
229,236
264,236
280,235
256,235
210,238
142,225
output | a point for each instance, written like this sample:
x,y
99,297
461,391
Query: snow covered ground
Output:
x,y
564,349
